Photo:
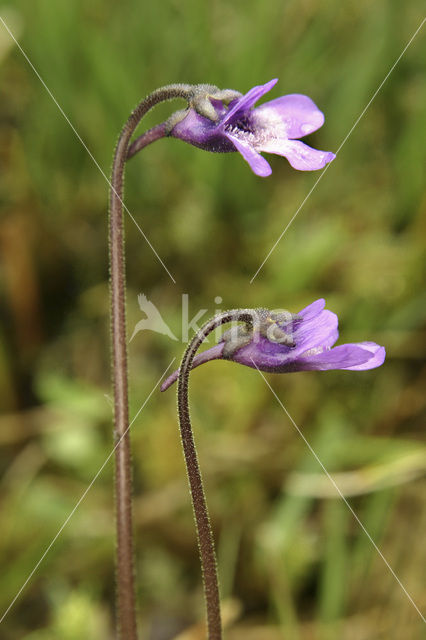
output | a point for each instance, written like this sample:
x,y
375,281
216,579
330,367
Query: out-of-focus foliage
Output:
x,y
294,563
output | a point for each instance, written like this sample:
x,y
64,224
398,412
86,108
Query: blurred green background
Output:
x,y
293,561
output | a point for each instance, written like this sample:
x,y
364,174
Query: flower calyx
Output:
x,y
203,94
199,98
274,326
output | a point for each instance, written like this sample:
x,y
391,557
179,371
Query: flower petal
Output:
x,y
248,100
312,310
318,331
258,165
214,353
299,155
377,358
345,356
298,113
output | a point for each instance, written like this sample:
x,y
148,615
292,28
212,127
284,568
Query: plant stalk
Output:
x,y
199,504
126,614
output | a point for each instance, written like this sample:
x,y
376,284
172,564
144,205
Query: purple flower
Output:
x,y
273,127
283,343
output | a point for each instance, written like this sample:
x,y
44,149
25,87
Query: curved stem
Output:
x,y
204,532
159,131
126,618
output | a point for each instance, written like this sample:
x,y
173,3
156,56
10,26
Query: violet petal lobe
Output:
x,y
377,358
248,100
299,114
300,155
258,165
319,331
312,310
344,356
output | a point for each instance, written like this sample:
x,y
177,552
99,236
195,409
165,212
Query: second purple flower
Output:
x,y
285,343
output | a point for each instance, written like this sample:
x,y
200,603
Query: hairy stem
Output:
x,y
126,616
204,532
159,131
